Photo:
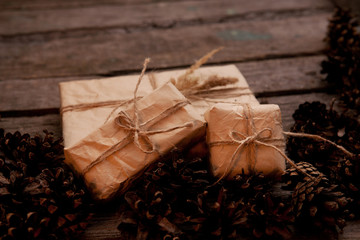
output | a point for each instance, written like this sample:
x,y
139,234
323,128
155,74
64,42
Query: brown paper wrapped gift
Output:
x,y
244,138
110,157
86,104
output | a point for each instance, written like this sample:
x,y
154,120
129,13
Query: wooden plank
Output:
x,y
285,75
23,95
105,52
351,231
146,15
265,78
57,4
103,225
33,125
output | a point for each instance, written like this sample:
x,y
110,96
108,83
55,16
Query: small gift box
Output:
x,y
114,154
245,139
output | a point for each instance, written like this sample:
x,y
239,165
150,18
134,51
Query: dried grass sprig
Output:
x,y
152,80
186,81
216,81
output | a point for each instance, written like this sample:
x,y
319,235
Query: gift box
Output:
x,y
86,104
115,153
245,139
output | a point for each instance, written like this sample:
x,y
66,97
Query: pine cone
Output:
x,y
346,173
343,65
292,176
315,201
40,197
262,212
314,118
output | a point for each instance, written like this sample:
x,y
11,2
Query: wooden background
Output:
x,y
277,45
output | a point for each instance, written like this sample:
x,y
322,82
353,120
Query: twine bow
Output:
x,y
242,141
138,132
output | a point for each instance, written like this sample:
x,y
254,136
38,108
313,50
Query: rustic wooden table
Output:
x,y
276,44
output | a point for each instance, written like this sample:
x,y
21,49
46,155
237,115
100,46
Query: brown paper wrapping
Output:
x,y
77,124
227,123
116,171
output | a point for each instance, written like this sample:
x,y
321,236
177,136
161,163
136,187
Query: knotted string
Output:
x,y
250,142
243,141
319,138
138,132
86,106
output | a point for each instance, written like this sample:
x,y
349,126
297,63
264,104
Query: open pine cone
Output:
x,y
315,201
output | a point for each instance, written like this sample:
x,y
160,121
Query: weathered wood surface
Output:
x,y
146,15
266,78
33,125
276,44
56,4
112,51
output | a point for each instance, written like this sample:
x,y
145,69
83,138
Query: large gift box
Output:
x,y
245,139
114,154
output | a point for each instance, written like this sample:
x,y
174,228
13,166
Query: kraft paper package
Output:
x,y
109,158
246,139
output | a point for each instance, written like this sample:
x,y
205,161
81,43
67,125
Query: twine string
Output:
x,y
116,104
319,138
87,106
138,132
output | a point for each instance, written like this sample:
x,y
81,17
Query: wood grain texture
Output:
x,y
33,125
287,75
269,77
107,52
146,15
20,95
351,231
